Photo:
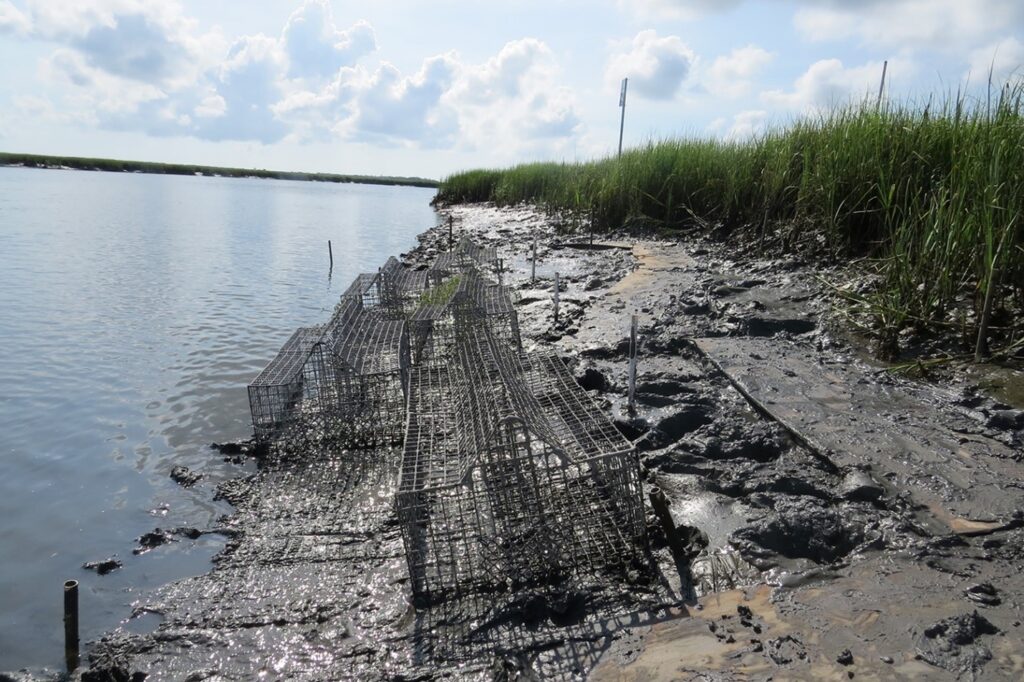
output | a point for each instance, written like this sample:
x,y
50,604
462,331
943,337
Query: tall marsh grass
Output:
x,y
932,195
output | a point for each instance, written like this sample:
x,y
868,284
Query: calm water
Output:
x,y
134,309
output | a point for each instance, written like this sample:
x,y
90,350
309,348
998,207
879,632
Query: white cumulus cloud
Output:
x,y
1004,59
145,66
13,20
953,25
389,108
687,10
828,83
656,67
317,48
732,75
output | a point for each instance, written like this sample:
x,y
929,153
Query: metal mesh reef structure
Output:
x,y
394,290
511,477
355,376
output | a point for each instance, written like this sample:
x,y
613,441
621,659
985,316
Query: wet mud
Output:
x,y
809,516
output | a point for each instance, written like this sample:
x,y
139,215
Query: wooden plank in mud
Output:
x,y
908,437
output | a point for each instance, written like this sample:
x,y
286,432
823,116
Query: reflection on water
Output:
x,y
133,311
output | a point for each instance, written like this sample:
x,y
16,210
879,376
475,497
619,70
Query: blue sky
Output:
x,y
410,88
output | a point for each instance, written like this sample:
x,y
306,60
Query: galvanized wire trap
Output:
x,y
344,382
463,257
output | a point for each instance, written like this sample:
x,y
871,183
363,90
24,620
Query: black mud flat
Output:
x,y
970,483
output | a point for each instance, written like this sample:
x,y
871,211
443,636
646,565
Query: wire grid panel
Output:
x,y
275,393
490,498
482,255
464,257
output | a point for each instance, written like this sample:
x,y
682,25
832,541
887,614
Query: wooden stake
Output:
x,y
881,86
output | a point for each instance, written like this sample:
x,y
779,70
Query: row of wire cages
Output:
x,y
512,478
346,381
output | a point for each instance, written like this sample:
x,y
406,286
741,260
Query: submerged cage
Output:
x,y
276,393
511,476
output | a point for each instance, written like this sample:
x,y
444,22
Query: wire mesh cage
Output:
x,y
511,477
364,289
275,394
401,288
344,382
466,255
354,382
464,296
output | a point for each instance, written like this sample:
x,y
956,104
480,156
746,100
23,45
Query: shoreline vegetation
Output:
x,y
925,201
121,166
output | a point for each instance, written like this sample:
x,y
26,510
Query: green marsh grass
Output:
x,y
930,196
440,293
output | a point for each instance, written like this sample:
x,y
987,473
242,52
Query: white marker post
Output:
x,y
632,362
533,262
556,298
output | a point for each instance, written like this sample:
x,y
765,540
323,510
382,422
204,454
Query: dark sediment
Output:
x,y
813,516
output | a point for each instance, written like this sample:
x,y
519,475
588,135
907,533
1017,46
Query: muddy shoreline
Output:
x,y
810,517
